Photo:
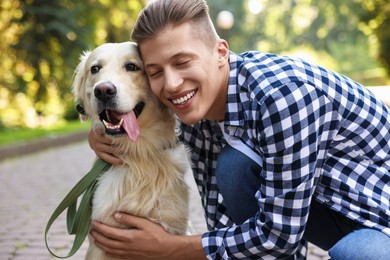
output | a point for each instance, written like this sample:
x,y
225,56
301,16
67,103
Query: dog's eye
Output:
x,y
131,67
95,69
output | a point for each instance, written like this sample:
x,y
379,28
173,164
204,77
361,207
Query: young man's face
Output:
x,y
186,75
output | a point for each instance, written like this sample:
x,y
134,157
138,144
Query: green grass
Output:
x,y
10,136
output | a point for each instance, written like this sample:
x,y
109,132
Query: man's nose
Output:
x,y
173,80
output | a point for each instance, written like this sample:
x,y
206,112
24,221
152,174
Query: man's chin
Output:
x,y
189,118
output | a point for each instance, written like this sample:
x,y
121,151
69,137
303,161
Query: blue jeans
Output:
x,y
238,181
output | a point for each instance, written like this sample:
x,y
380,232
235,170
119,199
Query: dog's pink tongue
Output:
x,y
131,126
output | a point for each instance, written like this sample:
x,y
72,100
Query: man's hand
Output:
x,y
102,145
144,240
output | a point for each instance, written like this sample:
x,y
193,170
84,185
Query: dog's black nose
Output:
x,y
105,91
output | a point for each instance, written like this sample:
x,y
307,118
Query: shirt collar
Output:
x,y
234,115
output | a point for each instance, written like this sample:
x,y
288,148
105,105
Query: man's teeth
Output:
x,y
111,126
184,99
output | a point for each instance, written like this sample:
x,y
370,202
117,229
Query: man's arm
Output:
x,y
144,240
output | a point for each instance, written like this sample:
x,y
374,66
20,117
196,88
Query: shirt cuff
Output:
x,y
213,244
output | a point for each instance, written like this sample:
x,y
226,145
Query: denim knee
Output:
x,y
362,244
238,181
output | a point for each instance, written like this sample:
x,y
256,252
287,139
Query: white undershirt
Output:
x,y
237,144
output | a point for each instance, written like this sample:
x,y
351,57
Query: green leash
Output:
x,y
78,220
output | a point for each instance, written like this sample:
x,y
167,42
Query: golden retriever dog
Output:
x,y
111,89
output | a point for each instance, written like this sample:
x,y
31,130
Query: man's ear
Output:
x,y
223,52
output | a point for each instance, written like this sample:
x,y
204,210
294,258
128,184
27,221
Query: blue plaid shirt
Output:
x,y
320,135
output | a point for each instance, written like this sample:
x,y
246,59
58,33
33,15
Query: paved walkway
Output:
x,y
31,186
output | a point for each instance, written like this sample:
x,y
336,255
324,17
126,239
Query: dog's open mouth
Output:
x,y
122,123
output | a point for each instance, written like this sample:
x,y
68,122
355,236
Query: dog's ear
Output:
x,y
80,108
78,86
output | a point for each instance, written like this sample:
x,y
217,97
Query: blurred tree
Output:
x,y
42,42
377,21
327,32
233,34
52,33
42,39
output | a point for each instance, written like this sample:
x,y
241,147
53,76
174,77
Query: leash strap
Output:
x,y
78,220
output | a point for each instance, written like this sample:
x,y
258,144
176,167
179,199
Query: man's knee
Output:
x,y
236,171
364,244
238,181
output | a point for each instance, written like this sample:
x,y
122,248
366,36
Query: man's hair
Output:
x,y
160,14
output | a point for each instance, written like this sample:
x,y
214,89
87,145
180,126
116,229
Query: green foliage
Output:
x,y
48,48
377,20
42,40
352,35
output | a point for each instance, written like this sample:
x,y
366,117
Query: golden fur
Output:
x,y
150,183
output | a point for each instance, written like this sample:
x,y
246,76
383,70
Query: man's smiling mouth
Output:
x,y
183,100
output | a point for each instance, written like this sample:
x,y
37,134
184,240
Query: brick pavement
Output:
x,y
31,186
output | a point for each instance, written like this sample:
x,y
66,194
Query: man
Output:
x,y
284,152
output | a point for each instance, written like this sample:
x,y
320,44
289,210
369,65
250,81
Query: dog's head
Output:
x,y
110,86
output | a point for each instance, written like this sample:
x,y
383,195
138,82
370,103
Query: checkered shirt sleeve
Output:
x,y
321,136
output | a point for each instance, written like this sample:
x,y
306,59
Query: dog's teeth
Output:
x,y
111,126
108,115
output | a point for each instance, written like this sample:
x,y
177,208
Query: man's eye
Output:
x,y
153,74
131,67
182,63
95,69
